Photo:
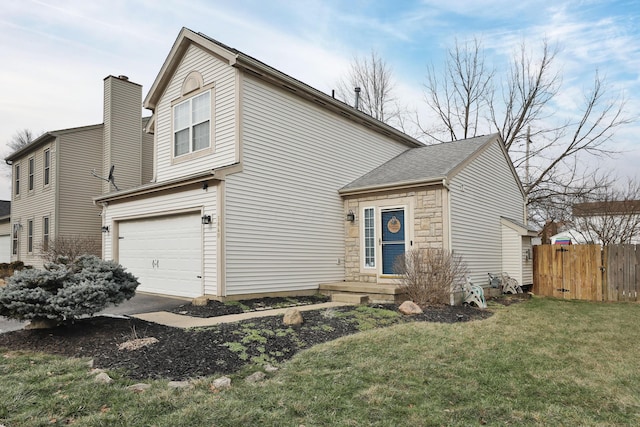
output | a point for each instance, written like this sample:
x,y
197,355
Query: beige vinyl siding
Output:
x,y
165,203
80,153
481,193
223,125
284,218
36,204
122,133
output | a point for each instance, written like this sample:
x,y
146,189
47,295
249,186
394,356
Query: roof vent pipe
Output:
x,y
122,77
357,91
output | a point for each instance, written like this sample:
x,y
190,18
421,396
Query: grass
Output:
x,y
544,362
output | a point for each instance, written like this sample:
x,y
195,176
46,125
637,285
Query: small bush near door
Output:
x,y
428,276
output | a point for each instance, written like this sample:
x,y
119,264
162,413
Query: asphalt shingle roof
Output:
x,y
421,164
5,208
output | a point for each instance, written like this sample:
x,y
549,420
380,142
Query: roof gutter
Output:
x,y
395,186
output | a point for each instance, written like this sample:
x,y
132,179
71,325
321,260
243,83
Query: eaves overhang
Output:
x,y
396,186
156,187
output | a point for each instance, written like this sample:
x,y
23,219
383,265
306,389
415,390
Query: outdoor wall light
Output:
x,y
105,228
206,219
351,216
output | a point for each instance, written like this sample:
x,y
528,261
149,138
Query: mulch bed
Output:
x,y
223,349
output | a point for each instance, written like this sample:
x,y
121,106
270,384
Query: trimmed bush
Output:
x,y
66,290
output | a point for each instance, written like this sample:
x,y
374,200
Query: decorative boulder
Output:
x,y
200,301
409,307
293,317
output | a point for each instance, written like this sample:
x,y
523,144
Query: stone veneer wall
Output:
x,y
426,209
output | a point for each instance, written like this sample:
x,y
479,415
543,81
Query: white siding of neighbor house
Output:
x,y
284,218
5,241
481,193
223,125
165,203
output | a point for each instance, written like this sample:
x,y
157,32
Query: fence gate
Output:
x,y
568,271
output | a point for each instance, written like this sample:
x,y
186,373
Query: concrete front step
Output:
x,y
377,293
350,298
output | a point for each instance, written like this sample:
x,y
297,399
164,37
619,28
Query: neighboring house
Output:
x,y
5,231
603,222
52,182
264,185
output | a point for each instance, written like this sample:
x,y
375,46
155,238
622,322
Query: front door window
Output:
x,y
393,238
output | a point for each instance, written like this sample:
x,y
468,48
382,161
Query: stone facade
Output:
x,y
424,215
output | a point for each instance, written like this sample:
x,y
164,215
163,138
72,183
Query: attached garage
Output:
x,y
164,252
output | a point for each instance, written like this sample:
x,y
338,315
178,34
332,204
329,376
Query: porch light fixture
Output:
x,y
105,228
351,216
206,219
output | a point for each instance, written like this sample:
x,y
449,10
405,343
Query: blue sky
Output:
x,y
55,54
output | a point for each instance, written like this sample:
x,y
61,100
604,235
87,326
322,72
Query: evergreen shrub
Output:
x,y
66,290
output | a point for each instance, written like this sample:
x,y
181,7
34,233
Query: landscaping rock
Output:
x,y
137,343
103,378
179,384
293,317
269,368
256,377
139,388
409,307
42,324
221,383
200,301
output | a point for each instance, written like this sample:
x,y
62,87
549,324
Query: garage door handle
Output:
x,y
199,277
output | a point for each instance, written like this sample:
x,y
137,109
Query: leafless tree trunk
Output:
x,y
375,79
545,145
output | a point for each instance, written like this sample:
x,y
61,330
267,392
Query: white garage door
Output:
x,y
5,248
165,253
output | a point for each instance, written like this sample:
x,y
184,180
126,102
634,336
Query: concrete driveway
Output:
x,y
140,303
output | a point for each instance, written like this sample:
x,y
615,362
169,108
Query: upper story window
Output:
x,y
32,169
17,180
47,166
192,124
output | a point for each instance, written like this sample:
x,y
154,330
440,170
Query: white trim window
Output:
x,y
369,235
30,236
47,167
15,238
45,233
192,124
17,180
32,171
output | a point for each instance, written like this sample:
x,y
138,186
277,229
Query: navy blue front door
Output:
x,y
392,238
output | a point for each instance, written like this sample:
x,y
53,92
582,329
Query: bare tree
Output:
x,y
545,145
21,138
375,79
459,94
609,216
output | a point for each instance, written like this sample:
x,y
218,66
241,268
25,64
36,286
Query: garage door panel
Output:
x,y
165,253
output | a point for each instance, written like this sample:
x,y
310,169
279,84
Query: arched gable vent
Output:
x,y
192,82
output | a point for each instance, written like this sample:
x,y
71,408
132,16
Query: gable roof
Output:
x,y
262,71
45,137
423,165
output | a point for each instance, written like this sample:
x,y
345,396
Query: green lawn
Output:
x,y
544,362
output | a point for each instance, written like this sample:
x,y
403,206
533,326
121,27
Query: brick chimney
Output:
x,y
122,132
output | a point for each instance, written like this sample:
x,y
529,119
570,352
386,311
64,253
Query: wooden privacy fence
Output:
x,y
587,272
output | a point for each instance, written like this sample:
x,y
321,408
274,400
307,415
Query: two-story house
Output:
x,y
53,182
264,185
